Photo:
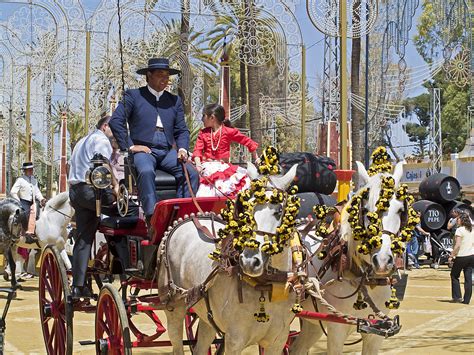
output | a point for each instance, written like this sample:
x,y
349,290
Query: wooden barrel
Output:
x,y
432,214
445,238
310,199
440,188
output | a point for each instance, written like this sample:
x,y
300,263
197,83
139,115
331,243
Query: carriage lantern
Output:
x,y
99,175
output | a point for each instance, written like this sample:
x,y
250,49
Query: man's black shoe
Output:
x,y
80,292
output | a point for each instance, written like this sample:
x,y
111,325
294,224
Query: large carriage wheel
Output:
x,y
55,312
112,333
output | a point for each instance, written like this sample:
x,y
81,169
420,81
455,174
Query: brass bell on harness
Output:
x,y
261,316
393,302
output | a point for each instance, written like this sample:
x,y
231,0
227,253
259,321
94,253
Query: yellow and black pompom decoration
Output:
x,y
393,302
370,237
269,162
241,227
380,162
296,308
359,304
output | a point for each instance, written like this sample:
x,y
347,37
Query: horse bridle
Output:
x,y
403,220
283,208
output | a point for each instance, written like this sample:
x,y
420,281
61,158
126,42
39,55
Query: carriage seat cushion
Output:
x,y
164,181
119,222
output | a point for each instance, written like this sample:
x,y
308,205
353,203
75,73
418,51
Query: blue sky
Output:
x,y
313,40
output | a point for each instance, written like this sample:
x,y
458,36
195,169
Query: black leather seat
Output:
x,y
165,183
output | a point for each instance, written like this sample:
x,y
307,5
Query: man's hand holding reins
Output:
x,y
140,149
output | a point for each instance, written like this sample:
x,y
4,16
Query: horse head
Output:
x,y
13,217
378,219
269,211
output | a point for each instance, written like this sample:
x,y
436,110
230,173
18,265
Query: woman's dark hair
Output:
x,y
218,111
465,221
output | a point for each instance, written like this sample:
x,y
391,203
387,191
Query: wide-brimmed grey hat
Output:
x,y
27,165
158,63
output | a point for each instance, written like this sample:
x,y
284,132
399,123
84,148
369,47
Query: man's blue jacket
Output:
x,y
140,109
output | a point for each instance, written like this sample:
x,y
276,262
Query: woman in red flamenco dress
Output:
x,y
212,152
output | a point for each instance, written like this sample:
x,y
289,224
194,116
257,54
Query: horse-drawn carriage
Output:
x,y
264,261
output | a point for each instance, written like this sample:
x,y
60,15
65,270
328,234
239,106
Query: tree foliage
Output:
x,y
430,41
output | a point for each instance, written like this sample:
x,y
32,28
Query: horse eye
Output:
x,y
278,212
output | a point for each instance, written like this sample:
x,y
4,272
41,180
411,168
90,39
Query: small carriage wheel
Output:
x,y
122,200
190,320
55,311
112,333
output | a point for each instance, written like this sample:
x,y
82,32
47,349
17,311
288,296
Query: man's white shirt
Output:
x,y
25,187
85,149
157,94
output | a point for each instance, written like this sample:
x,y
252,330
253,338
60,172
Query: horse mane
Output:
x,y
57,201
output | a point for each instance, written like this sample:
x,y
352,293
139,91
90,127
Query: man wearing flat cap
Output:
x,y
25,189
157,134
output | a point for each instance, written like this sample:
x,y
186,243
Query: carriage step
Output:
x,y
384,328
86,342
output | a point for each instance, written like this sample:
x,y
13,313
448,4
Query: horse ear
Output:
x,y
284,181
252,171
398,172
363,175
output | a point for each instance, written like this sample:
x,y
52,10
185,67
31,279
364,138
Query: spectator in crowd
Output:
x,y
452,225
462,259
413,246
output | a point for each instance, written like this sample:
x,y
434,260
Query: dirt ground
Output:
x,y
430,323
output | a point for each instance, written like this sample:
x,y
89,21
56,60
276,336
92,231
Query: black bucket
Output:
x,y
440,188
432,214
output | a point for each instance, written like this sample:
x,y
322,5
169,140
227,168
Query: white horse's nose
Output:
x,y
251,265
382,264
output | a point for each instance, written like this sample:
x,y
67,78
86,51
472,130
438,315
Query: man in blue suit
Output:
x,y
157,136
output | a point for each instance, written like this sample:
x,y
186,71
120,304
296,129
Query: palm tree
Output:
x,y
75,122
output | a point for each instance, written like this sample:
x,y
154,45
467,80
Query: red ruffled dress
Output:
x,y
218,177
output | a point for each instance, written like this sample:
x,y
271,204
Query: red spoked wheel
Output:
x,y
112,333
55,312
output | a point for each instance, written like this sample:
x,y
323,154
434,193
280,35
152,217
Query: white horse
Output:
x,y
379,263
13,221
51,227
185,250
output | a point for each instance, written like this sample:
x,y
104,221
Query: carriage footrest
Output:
x,y
86,342
385,328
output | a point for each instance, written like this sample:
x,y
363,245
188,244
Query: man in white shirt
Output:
x,y
26,190
82,196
